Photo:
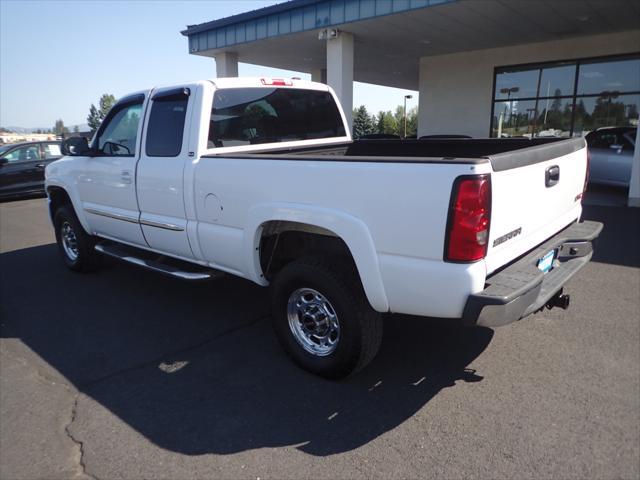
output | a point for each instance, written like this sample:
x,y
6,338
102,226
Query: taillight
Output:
x,y
469,218
276,81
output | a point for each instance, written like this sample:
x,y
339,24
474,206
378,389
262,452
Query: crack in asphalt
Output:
x,y
79,444
78,460
82,467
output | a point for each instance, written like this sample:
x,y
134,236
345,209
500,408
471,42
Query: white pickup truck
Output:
x,y
259,178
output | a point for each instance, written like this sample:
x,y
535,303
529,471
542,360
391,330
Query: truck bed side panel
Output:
x,y
405,209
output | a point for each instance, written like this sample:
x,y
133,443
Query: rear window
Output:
x,y
247,116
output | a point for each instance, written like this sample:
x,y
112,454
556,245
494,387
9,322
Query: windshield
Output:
x,y
5,148
247,116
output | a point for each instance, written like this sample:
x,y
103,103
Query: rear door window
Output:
x,y
166,123
247,116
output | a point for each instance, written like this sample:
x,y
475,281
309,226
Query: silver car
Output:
x,y
611,155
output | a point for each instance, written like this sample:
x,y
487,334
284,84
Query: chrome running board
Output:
x,y
161,264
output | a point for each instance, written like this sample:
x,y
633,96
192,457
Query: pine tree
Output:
x,y
387,123
362,122
96,115
412,122
398,121
59,128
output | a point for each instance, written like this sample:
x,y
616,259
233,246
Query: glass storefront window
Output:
x,y
557,81
554,117
514,118
516,84
620,76
605,111
546,100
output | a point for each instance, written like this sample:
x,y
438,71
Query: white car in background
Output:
x,y
611,155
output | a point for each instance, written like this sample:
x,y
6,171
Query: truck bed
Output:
x,y
526,210
503,154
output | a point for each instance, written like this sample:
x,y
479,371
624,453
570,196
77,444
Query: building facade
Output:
x,y
482,68
512,90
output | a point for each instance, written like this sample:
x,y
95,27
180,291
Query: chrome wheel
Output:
x,y
313,321
69,241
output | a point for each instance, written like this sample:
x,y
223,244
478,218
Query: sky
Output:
x,y
59,57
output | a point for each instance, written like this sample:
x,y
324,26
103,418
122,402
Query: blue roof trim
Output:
x,y
241,17
291,17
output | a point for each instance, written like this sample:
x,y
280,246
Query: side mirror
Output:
x,y
75,146
3,161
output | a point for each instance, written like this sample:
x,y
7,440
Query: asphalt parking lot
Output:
x,y
124,374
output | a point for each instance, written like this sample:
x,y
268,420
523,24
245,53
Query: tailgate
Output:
x,y
535,193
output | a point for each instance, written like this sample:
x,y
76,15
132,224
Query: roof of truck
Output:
x,y
248,82
238,82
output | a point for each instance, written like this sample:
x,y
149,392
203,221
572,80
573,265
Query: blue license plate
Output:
x,y
546,263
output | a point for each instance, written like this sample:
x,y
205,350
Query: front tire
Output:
x,y
75,245
322,318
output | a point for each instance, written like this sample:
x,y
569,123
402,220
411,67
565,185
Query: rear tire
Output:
x,y
75,245
322,318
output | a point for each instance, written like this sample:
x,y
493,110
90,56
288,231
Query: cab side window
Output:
x,y
119,136
166,123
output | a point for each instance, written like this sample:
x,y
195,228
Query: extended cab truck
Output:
x,y
259,178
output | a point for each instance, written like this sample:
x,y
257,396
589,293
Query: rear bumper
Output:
x,y
521,288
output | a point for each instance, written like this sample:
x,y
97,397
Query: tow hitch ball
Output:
x,y
559,300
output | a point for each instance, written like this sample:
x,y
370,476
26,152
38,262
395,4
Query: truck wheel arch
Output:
x,y
345,227
58,195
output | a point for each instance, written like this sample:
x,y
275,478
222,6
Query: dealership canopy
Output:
x,y
455,53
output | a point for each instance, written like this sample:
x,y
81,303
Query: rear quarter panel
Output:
x,y
403,205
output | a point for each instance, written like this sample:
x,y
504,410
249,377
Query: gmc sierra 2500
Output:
x,y
259,178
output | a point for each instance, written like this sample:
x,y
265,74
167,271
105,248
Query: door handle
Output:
x,y
125,176
551,176
40,165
